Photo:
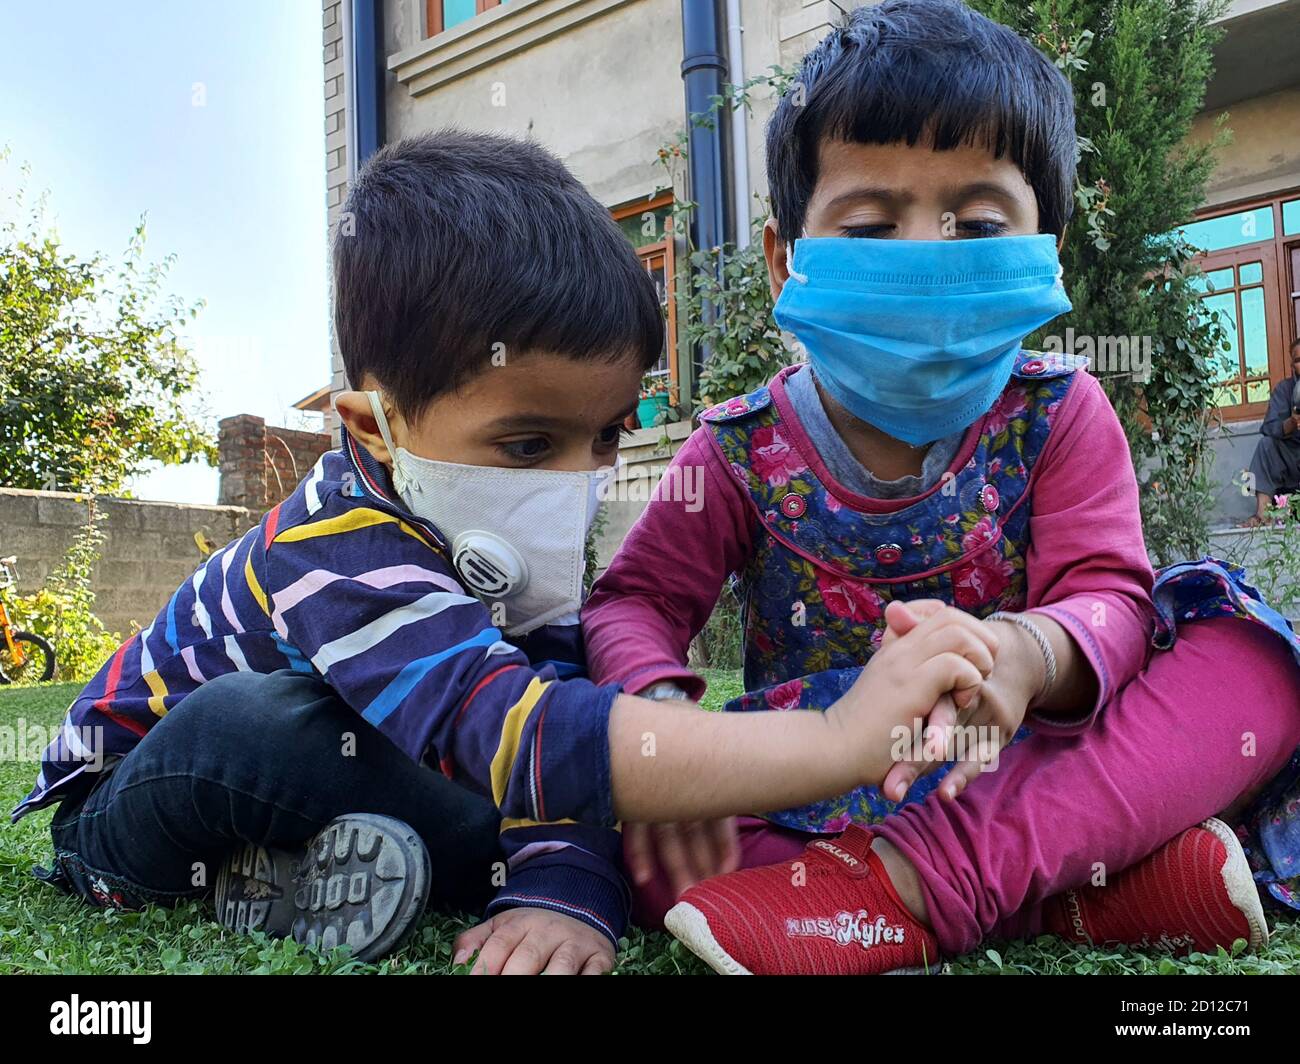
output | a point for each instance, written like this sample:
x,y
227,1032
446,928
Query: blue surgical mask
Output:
x,y
919,337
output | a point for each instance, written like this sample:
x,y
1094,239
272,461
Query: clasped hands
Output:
x,y
967,725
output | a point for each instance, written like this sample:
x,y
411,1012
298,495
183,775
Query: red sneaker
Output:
x,y
1194,893
832,911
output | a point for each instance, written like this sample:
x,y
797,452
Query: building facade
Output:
x,y
602,83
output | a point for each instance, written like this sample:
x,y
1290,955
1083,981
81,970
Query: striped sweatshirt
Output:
x,y
342,580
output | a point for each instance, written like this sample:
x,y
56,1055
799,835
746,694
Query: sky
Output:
x,y
208,115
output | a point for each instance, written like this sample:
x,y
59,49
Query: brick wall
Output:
x,y
148,550
262,464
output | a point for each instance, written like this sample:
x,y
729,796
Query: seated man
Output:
x,y
1276,465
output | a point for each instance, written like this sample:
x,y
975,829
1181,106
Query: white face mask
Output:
x,y
517,536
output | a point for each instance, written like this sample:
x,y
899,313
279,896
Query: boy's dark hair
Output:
x,y
907,70
454,242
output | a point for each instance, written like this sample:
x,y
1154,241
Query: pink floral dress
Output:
x,y
822,571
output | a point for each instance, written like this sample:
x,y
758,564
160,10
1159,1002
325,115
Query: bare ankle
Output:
x,y
902,874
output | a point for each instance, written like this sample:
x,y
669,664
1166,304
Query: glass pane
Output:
x,y
1257,392
645,227
1244,227
1291,217
1227,395
1251,272
1214,281
455,12
657,267
1254,332
1225,305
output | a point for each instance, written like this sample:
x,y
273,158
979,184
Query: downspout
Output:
x,y
366,77
739,128
703,69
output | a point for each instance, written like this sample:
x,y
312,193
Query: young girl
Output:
x,y
922,455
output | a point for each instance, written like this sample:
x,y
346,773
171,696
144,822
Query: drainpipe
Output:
x,y
704,66
366,78
742,201
703,69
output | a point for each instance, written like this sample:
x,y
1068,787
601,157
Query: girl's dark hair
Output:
x,y
452,244
908,70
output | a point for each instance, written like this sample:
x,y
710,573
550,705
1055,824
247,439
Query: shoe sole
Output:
x,y
1240,883
362,882
691,927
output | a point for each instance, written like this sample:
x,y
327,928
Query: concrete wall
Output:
x,y
149,547
604,98
1233,445
1263,157
645,454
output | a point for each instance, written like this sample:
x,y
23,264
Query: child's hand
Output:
x,y
684,853
902,617
532,942
905,680
989,718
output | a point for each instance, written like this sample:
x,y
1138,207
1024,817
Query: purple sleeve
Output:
x,y
574,869
638,621
1087,566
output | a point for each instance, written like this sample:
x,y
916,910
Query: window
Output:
x,y
1291,218
1235,292
440,15
647,223
1251,283
1231,230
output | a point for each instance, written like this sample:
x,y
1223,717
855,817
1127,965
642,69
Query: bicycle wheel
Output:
x,y
37,664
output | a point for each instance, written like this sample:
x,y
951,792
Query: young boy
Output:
x,y
413,605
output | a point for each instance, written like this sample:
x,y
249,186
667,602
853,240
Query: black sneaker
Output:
x,y
361,881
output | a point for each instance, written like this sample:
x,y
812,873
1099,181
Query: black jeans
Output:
x,y
267,759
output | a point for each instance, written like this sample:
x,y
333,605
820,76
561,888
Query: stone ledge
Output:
x,y
114,500
490,37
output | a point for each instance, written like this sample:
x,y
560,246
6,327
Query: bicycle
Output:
x,y
24,656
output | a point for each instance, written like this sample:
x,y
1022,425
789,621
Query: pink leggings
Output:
x,y
1170,749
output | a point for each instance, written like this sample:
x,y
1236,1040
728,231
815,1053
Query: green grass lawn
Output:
x,y
44,931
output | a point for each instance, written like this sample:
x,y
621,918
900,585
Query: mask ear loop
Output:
x,y
794,274
381,420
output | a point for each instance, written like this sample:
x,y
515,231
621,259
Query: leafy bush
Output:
x,y
1139,69
94,376
1271,554
724,299
720,642
725,305
63,610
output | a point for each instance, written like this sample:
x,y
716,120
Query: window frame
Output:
x,y
1282,325
433,21
1233,258
665,247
